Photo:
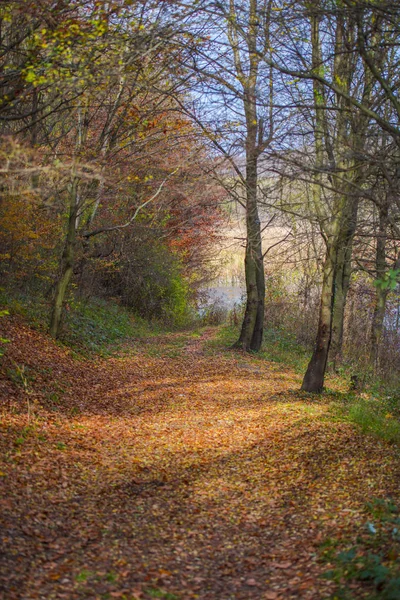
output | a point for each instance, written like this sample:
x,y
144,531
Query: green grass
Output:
x,y
376,416
281,347
89,327
278,346
159,593
224,337
98,327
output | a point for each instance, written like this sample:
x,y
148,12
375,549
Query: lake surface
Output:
x,y
225,296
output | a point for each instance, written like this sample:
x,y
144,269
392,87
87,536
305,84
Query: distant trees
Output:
x,y
234,95
338,79
123,122
90,89
339,59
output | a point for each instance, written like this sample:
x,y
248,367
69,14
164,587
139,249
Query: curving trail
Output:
x,y
174,471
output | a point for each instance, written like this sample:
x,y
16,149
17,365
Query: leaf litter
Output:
x,y
193,474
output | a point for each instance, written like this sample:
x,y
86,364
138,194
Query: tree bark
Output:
x,y
342,278
258,330
67,262
253,322
314,378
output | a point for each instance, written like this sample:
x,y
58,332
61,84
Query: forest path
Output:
x,y
175,471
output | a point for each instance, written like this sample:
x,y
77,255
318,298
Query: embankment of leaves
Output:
x,y
90,326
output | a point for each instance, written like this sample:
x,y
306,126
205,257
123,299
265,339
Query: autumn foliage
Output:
x,y
106,186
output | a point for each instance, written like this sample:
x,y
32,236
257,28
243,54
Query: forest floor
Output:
x,y
175,470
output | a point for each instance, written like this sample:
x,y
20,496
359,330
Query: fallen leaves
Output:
x,y
282,565
185,477
271,595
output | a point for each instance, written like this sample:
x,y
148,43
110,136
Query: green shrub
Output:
x,y
3,341
372,559
95,325
176,309
147,277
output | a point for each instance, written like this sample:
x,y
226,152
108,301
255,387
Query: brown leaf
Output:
x,y
282,565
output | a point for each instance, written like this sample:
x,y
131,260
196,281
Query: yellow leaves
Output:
x,y
144,179
165,572
341,82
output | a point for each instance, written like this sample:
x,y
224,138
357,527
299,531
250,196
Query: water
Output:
x,y
224,296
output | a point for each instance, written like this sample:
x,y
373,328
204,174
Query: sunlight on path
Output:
x,y
203,475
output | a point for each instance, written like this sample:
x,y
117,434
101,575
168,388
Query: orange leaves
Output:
x,y
184,474
27,233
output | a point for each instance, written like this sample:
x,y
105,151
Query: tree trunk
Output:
x,y
377,325
67,263
252,328
314,378
253,322
342,280
381,293
258,330
250,314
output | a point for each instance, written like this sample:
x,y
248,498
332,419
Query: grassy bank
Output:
x,y
90,327
375,408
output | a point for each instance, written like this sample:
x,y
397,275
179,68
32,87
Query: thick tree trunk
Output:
x,y
342,280
67,263
256,340
250,314
252,328
314,378
253,322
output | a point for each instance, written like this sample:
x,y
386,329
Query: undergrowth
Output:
x,y
278,346
92,326
371,558
378,416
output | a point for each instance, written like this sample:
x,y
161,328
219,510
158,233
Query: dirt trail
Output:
x,y
175,472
